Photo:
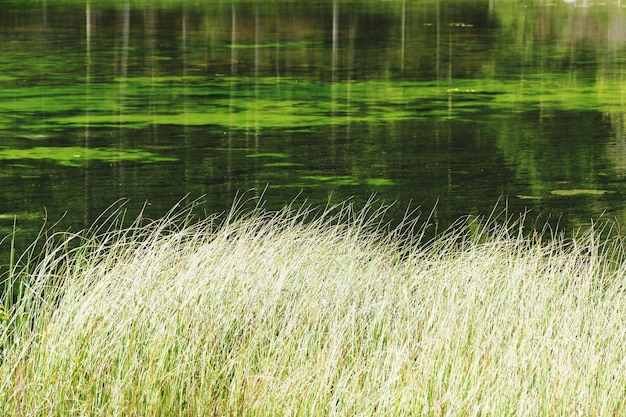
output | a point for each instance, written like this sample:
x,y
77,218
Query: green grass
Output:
x,y
293,313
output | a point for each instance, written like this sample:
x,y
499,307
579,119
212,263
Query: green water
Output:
x,y
457,105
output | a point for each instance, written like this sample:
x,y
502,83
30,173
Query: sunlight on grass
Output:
x,y
314,312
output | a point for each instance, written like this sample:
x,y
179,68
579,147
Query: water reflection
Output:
x,y
459,102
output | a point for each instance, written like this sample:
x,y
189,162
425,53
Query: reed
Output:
x,y
302,313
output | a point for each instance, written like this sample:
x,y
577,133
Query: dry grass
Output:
x,y
268,314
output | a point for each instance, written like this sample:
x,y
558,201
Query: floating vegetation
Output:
x,y
461,25
23,215
379,182
229,101
527,197
295,44
282,164
33,136
341,181
162,79
74,156
268,155
580,192
338,180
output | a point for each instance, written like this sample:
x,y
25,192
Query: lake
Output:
x,y
457,107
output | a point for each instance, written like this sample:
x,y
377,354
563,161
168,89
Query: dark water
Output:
x,y
453,104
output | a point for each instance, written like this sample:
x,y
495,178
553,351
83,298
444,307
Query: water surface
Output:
x,y
456,105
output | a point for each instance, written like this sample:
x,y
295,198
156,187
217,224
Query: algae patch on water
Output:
x,y
268,155
579,192
75,156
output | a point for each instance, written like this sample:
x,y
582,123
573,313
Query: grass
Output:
x,y
315,313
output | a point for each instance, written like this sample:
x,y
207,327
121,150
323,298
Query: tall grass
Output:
x,y
302,313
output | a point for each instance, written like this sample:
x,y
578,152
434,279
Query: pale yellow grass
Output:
x,y
282,314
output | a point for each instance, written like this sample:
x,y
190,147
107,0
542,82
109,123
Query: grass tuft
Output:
x,y
307,312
